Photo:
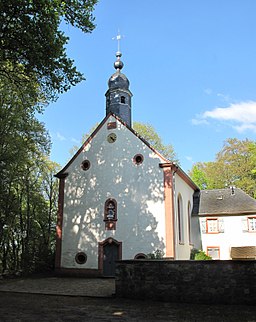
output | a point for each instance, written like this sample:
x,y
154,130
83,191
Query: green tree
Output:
x,y
26,204
252,149
198,175
33,47
147,132
34,69
234,165
28,217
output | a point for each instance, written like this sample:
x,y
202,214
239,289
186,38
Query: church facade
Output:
x,y
121,199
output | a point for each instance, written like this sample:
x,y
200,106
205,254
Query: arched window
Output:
x,y
122,99
140,256
110,214
189,223
180,220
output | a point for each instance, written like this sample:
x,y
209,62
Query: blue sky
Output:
x,y
191,67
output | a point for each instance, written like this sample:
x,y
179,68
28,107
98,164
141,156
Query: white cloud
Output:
x,y
244,127
60,137
241,116
224,97
199,120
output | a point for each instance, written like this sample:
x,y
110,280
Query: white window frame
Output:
x,y
215,248
212,229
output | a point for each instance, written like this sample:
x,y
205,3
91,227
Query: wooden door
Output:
x,y
110,255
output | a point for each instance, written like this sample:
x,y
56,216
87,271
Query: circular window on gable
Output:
x,y
85,165
138,159
81,258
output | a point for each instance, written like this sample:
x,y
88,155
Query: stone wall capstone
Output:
x,y
210,282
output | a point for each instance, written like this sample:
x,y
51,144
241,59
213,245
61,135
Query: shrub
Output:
x,y
157,254
199,255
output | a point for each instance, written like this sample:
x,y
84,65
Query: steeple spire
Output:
x,y
118,37
118,95
118,64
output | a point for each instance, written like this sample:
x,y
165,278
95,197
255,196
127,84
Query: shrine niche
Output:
x,y
110,214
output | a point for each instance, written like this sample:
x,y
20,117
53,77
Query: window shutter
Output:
x,y
244,224
203,225
221,225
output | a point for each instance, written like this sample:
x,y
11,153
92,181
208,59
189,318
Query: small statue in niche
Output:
x,y
110,215
111,210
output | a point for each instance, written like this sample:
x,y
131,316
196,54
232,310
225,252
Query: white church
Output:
x,y
121,199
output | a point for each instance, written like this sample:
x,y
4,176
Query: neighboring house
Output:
x,y
227,222
119,198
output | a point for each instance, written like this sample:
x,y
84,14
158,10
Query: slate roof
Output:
x,y
223,202
118,81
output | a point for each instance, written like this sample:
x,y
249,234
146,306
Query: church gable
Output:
x,y
113,130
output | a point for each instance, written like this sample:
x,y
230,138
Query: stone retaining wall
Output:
x,y
226,282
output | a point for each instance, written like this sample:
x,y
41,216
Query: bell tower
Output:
x,y
118,95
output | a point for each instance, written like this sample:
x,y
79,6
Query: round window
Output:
x,y
85,165
138,158
81,258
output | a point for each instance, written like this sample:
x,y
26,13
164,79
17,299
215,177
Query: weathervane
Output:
x,y
118,37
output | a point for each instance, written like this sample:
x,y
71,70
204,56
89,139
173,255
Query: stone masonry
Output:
x,y
210,282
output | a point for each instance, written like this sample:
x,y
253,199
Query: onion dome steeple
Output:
x,y
118,95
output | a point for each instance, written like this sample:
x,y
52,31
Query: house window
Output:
x,y
214,252
122,99
212,226
110,214
180,220
252,224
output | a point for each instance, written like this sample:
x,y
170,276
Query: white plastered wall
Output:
x,y
234,234
138,190
182,250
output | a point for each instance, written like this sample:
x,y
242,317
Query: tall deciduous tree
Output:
x,y
24,146
235,165
34,69
148,132
34,48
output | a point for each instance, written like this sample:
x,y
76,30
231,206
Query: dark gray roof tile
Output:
x,y
223,201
